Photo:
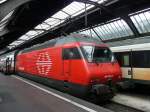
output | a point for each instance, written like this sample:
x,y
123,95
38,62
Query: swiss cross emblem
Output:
x,y
44,63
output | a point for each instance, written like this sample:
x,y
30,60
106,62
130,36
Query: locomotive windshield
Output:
x,y
97,54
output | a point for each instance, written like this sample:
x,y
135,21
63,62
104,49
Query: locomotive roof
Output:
x,y
61,41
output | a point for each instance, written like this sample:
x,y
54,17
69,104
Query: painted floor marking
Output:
x,y
56,95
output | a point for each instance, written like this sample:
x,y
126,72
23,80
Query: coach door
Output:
x,y
126,65
8,66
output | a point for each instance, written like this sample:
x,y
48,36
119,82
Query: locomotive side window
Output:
x,y
71,53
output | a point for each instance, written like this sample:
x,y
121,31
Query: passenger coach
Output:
x,y
135,62
7,62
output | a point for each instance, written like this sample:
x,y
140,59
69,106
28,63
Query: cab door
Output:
x,y
66,63
70,57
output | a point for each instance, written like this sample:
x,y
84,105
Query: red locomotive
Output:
x,y
79,65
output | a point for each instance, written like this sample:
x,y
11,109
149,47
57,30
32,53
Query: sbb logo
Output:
x,y
44,63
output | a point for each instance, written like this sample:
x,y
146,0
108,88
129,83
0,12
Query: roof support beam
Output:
x,y
10,5
39,29
97,5
57,18
131,25
86,19
97,35
66,13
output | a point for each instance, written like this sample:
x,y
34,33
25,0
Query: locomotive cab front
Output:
x,y
104,71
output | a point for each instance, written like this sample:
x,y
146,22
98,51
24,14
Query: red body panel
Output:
x,y
48,63
105,71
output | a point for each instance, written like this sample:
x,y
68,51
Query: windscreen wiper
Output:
x,y
96,61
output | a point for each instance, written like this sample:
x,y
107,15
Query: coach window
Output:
x,y
126,60
71,53
141,59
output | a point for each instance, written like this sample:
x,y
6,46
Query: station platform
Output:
x,y
21,95
140,102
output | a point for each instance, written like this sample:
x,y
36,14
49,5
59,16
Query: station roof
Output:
x,y
109,20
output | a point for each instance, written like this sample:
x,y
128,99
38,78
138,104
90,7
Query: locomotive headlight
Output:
x,y
95,81
119,76
108,76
